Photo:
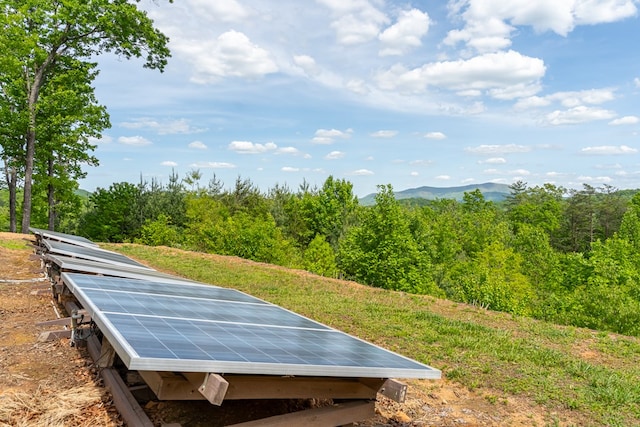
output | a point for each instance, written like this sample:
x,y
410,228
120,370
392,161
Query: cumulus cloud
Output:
x,y
626,120
489,24
247,147
361,172
328,136
421,162
165,127
576,115
105,139
289,169
307,63
494,161
405,34
219,10
501,74
232,54
334,155
169,163
355,22
137,141
384,134
435,135
498,149
443,177
607,150
212,165
198,145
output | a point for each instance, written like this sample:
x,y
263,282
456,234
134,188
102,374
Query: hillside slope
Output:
x,y
499,369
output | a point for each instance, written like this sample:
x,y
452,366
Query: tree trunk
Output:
x,y
33,87
11,176
51,197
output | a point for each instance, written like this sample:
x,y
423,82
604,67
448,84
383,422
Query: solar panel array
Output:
x,y
158,322
62,237
91,253
78,265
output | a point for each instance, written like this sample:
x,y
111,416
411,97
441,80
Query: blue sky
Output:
x,y
408,93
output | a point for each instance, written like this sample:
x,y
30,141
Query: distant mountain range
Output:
x,y
490,191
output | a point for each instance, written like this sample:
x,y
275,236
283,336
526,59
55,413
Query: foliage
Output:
x,y
319,257
382,252
114,215
159,232
502,257
38,37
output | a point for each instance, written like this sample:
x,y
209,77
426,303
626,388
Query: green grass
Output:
x,y
594,376
15,244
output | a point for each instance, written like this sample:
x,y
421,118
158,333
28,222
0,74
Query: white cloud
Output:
x,y
361,172
307,63
595,179
198,145
577,98
289,169
168,127
405,34
289,150
247,147
212,165
219,10
328,136
334,155
355,21
169,163
137,141
636,82
357,86
498,149
435,135
581,114
626,120
605,150
414,173
489,24
443,177
500,74
384,134
232,54
106,139
494,161
421,162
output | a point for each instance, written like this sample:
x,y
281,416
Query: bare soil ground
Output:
x,y
54,384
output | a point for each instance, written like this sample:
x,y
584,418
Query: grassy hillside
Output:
x,y
593,377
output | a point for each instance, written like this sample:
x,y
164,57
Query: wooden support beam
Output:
x,y
126,404
171,386
213,388
65,320
394,390
336,415
54,335
107,354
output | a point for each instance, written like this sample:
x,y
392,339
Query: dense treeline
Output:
x,y
570,257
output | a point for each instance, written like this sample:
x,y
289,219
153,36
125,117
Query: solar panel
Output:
x,y
77,265
199,328
91,253
62,237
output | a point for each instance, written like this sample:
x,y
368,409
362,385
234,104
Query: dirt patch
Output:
x,y
54,384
